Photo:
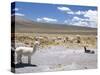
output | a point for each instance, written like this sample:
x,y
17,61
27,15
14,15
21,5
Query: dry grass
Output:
x,y
47,40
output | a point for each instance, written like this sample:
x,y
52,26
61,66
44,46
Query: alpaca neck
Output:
x,y
85,48
34,48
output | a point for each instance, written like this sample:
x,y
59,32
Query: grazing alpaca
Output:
x,y
88,51
26,51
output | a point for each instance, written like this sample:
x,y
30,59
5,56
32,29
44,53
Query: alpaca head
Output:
x,y
36,46
37,42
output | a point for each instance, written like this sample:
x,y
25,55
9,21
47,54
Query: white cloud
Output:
x,y
70,12
92,15
65,21
39,19
75,18
46,19
16,9
63,8
80,12
49,19
89,17
81,22
17,14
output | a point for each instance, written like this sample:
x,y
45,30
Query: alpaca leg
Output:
x,y
17,59
29,59
20,59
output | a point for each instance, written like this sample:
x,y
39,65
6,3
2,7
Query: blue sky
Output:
x,y
55,13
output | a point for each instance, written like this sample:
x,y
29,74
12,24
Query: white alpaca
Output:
x,y
26,51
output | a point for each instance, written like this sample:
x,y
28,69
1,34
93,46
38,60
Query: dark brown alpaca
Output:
x,y
88,51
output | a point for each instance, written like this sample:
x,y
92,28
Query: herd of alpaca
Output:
x,y
26,51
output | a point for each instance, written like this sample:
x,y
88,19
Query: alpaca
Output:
x,y
88,51
26,51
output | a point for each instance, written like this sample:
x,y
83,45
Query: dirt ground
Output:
x,y
58,58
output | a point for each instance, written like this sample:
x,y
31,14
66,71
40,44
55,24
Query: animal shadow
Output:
x,y
22,65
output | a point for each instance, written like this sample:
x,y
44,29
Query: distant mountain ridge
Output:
x,y
25,25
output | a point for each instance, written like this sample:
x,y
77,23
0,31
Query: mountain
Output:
x,y
23,24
